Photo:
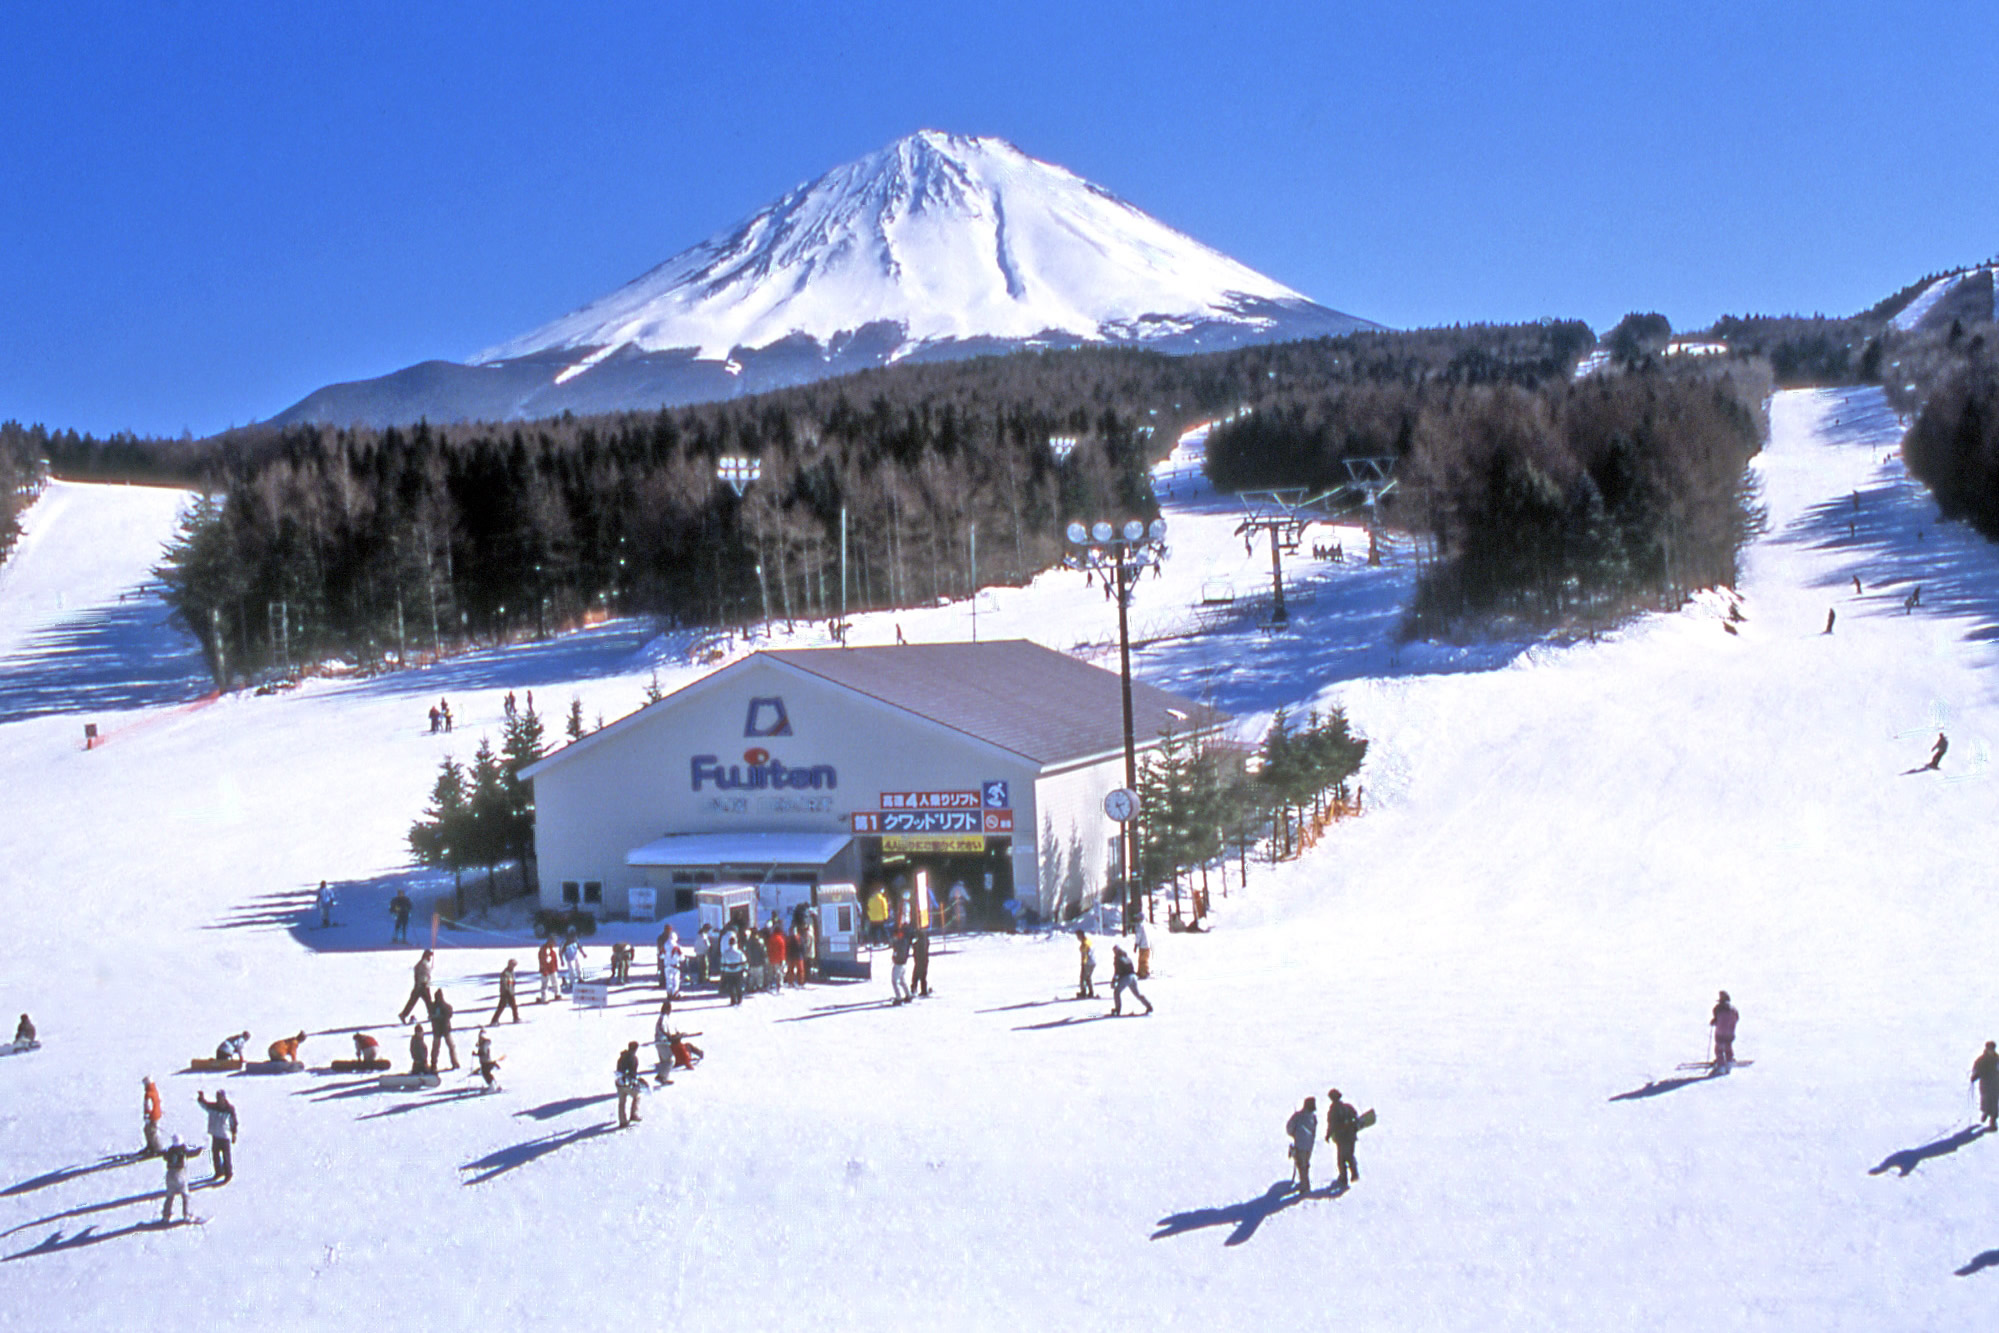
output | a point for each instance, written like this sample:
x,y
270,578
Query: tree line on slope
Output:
x,y
383,545
1540,495
23,472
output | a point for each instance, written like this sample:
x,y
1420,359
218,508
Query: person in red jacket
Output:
x,y
775,949
547,961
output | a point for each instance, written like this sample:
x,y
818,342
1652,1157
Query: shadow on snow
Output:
x,y
1246,1216
518,1155
1909,1159
123,656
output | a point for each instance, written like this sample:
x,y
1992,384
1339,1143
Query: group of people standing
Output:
x,y
1343,1126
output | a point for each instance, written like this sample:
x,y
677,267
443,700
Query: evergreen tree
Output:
x,y
575,724
492,813
443,838
520,746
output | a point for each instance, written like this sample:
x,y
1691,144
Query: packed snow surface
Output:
x,y
1567,851
949,236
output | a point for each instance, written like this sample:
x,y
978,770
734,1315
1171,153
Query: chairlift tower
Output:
x,y
1370,479
1284,514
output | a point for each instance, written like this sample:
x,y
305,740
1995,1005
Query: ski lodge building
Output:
x,y
920,764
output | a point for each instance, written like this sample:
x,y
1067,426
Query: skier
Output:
x,y
1985,1073
662,1042
507,1000
899,972
440,1029
152,1111
221,1133
1143,941
1937,753
919,976
1723,1023
24,1034
545,960
326,901
484,1062
733,963
1086,988
285,1050
366,1049
1303,1128
177,1155
419,1051
229,1048
399,908
420,989
628,1086
1342,1128
1124,977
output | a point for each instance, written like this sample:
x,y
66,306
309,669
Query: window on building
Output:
x,y
572,892
593,891
683,900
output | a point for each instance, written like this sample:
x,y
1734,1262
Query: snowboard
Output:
x,y
358,1066
275,1067
1709,1064
20,1047
1366,1120
210,1065
406,1082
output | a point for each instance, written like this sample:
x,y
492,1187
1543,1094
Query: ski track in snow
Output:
x,y
1568,851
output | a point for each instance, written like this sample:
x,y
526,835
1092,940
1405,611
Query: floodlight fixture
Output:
x,y
738,472
1078,535
1102,531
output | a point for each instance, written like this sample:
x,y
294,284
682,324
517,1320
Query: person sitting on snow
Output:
x,y
24,1032
285,1050
231,1048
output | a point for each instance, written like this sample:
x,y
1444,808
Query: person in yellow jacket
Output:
x,y
877,907
1086,976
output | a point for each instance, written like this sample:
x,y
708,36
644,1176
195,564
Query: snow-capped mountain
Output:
x,y
937,246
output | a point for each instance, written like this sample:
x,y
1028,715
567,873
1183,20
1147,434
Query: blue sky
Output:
x,y
212,209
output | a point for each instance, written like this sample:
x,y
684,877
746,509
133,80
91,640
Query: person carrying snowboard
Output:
x,y
1723,1022
177,1155
221,1133
420,988
627,1079
150,1094
1985,1073
1342,1128
1124,977
1303,1128
1086,972
507,1000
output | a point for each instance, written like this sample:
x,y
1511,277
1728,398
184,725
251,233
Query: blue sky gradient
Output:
x,y
213,208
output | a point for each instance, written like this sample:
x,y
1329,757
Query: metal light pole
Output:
x,y
1121,555
737,472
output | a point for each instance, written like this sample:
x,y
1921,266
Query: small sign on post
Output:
x,y
641,903
90,735
592,995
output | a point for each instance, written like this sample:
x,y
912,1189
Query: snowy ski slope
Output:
x,y
1568,851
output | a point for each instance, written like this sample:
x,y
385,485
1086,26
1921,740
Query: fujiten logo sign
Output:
x,y
759,771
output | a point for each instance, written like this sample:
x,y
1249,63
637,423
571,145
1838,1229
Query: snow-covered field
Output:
x,y
1568,851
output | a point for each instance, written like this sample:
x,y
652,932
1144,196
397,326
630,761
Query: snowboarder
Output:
x,y
1723,1023
221,1133
420,989
628,1086
1303,1128
326,901
1124,977
919,976
284,1051
1143,941
1086,975
24,1034
436,719
1830,616
366,1049
1856,585
152,1110
177,1155
1985,1073
1937,753
620,962
440,1030
484,1062
507,1000
899,972
545,960
419,1051
230,1048
1342,1128
399,908
685,1053
662,1042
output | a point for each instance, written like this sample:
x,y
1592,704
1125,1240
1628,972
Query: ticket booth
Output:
x,y
838,909
723,905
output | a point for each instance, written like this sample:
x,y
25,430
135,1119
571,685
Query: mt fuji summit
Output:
x,y
939,246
